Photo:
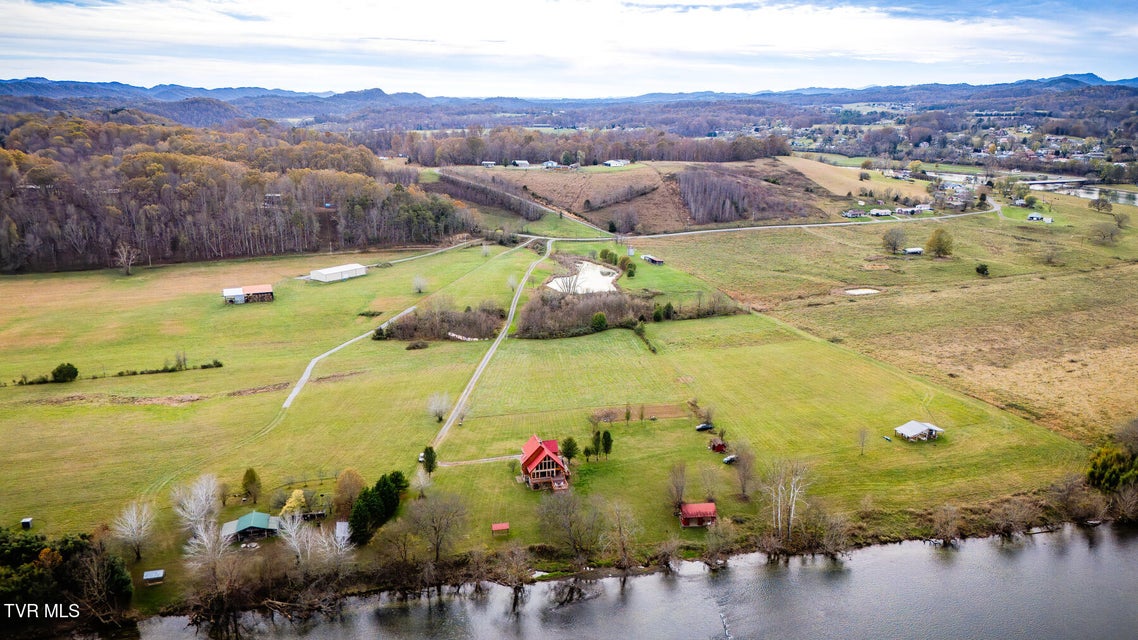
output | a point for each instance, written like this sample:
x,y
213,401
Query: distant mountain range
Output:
x,y
198,106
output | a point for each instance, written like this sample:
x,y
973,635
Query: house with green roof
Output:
x,y
251,525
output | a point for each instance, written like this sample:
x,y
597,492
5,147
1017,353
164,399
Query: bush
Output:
x,y
982,269
599,322
418,344
65,372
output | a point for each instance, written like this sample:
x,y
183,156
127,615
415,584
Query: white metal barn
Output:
x,y
342,272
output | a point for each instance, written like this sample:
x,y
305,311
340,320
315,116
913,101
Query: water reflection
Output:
x,y
1074,583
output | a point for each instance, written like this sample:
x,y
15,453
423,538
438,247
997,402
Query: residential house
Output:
x,y
543,465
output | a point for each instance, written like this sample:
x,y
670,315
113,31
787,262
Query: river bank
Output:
x,y
1072,583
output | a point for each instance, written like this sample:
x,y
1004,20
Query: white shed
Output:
x,y
342,272
233,295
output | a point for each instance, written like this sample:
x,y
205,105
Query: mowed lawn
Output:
x,y
787,396
105,441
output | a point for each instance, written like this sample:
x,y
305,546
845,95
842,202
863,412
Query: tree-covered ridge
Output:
x,y
72,190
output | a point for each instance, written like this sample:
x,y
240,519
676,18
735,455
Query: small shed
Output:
x,y
699,514
26,523
914,430
233,295
153,577
489,164
500,528
343,531
914,251
717,445
335,274
524,164
1035,216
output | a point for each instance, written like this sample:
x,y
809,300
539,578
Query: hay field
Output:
x,y
1050,334
843,180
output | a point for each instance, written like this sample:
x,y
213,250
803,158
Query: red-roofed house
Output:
x,y
699,514
543,465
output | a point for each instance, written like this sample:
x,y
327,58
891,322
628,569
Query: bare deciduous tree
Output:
x,y
512,282
573,522
785,484
134,526
744,469
438,405
862,438
667,554
512,570
946,524
620,539
125,256
421,482
419,284
196,503
710,480
438,521
677,482
718,540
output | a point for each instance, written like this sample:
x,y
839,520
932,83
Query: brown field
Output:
x,y
662,209
843,180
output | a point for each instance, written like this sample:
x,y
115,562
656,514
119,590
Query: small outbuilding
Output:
x,y
252,293
335,274
342,531
26,523
252,525
717,445
489,164
651,259
500,528
1035,216
914,251
153,577
699,514
914,430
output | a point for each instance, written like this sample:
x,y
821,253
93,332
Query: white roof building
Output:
x,y
916,430
342,272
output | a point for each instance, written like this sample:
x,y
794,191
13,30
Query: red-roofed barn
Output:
x,y
543,465
699,514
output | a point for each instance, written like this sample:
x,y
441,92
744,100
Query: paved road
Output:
x,y
673,234
462,399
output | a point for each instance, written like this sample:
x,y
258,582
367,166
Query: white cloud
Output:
x,y
526,47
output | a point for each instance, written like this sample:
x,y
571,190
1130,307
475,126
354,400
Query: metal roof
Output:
x,y
916,428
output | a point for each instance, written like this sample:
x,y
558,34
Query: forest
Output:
x,y
75,192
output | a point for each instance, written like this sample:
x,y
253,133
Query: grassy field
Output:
x,y
549,225
1049,333
752,371
1055,302
842,180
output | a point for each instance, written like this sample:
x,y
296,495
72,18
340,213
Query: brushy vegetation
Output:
x,y
714,194
439,320
551,314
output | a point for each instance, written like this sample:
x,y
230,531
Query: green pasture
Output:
x,y
785,395
120,436
549,225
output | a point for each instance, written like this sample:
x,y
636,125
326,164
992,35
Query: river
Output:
x,y
1074,583
1116,196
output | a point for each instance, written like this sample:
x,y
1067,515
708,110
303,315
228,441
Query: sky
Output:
x,y
564,48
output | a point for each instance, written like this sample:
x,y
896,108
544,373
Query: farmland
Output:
x,y
802,381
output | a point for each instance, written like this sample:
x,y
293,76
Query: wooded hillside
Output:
x,y
73,190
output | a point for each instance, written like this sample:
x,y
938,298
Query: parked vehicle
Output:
x,y
704,426
422,457
730,459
